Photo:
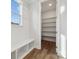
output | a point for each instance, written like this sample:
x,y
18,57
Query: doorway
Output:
x,y
48,19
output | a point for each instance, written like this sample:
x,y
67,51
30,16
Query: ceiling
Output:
x,y
46,7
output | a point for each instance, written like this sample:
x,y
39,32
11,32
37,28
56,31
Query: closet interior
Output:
x,y
49,20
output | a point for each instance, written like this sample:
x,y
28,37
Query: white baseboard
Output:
x,y
60,55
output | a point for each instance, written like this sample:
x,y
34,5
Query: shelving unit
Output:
x,y
20,51
48,24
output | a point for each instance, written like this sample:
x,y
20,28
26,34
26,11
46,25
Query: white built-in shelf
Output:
x,y
22,49
48,26
48,22
52,35
49,31
21,44
49,18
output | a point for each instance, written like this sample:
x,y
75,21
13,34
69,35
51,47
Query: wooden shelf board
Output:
x,y
49,18
50,31
48,22
48,26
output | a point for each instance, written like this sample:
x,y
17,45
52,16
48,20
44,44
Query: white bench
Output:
x,y
22,49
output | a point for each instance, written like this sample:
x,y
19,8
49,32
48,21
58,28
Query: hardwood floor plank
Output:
x,y
51,56
42,54
48,51
32,54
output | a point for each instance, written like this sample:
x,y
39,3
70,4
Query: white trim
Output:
x,y
21,8
58,28
18,47
60,55
24,43
26,53
16,54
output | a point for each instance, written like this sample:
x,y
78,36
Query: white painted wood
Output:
x,y
52,39
49,24
61,28
58,42
49,20
21,44
63,16
26,53
49,34
23,50
49,29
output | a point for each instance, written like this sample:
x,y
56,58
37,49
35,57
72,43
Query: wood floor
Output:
x,y
48,51
49,46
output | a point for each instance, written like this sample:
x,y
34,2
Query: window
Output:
x,y
15,12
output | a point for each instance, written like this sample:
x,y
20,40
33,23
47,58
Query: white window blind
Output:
x,y
15,12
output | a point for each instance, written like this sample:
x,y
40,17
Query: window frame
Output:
x,y
20,4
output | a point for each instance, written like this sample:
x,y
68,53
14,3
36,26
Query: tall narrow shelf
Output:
x,y
49,26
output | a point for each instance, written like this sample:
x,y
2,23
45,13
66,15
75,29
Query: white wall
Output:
x,y
48,14
31,28
20,33
35,23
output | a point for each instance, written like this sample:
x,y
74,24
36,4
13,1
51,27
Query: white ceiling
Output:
x,y
46,7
